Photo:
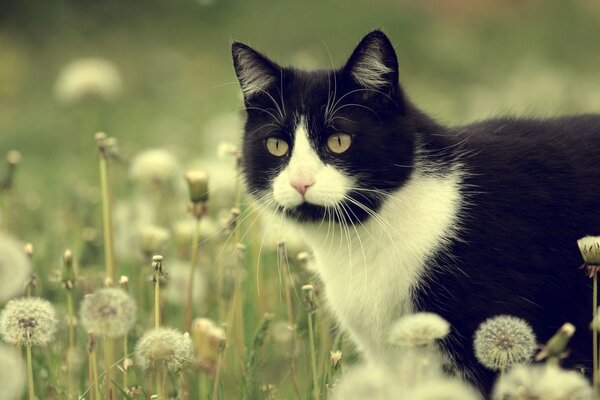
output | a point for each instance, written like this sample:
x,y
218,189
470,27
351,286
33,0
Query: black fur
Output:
x,y
532,191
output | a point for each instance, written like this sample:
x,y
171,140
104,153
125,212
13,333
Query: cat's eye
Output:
x,y
339,142
276,146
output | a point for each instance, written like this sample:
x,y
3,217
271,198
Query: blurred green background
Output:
x,y
460,60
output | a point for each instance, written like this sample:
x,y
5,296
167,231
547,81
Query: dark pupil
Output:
x,y
339,140
277,144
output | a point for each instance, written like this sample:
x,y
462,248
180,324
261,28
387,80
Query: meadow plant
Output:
x,y
28,321
556,348
547,382
12,374
162,350
589,246
108,312
503,341
418,330
88,78
154,168
15,267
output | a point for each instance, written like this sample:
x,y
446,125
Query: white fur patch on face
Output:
x,y
253,76
326,184
370,70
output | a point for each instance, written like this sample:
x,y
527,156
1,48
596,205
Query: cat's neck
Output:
x,y
370,269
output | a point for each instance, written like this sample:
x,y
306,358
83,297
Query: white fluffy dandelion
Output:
x,y
164,349
417,330
548,382
443,389
108,312
176,286
12,374
503,341
28,320
153,238
15,267
87,78
155,166
370,382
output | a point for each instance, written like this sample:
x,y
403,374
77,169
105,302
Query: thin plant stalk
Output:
x,y
71,350
108,366
203,386
596,376
94,363
215,393
282,260
106,215
156,303
189,308
313,357
30,373
125,355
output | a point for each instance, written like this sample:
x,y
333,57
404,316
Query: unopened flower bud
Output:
x,y
198,186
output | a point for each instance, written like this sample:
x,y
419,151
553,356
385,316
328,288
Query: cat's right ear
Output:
x,y
255,72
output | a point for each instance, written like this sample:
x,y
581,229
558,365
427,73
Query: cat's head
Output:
x,y
326,144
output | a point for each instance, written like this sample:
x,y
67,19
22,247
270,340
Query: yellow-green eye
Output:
x,y
276,146
339,142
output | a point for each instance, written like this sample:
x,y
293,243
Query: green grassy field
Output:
x,y
460,61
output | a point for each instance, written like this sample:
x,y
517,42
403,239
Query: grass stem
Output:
x,y
189,307
30,373
106,219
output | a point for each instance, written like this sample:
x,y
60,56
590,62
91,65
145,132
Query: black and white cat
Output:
x,y
404,214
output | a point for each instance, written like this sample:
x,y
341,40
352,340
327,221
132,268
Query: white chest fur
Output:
x,y
369,270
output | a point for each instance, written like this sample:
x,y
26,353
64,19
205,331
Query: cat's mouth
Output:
x,y
341,212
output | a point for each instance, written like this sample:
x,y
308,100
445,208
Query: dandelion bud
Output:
x,y
28,320
308,291
335,358
503,341
15,267
589,246
164,349
158,273
127,364
68,271
101,142
198,186
418,330
13,158
124,283
209,341
557,345
28,248
108,312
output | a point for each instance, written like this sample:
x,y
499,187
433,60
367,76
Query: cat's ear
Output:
x,y
255,72
373,64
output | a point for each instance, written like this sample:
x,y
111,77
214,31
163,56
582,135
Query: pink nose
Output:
x,y
301,187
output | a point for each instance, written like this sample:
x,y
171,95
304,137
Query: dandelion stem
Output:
x,y
30,373
157,303
71,351
106,218
94,363
313,358
189,308
215,394
125,355
595,333
108,367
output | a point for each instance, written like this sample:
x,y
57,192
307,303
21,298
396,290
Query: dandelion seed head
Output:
x,y
372,382
88,78
548,382
589,246
503,341
28,320
108,312
12,373
15,267
420,329
443,389
154,167
164,348
176,286
153,238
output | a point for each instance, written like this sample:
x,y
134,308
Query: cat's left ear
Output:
x,y
373,64
255,72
